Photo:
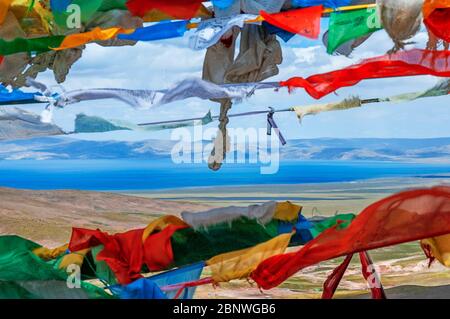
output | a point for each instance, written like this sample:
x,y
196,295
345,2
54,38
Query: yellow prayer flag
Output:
x,y
161,223
239,264
49,254
287,211
440,248
75,258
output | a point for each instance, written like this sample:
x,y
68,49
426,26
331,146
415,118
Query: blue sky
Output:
x,y
156,65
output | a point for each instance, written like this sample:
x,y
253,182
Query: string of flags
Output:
x,y
40,35
231,243
347,22
404,63
16,123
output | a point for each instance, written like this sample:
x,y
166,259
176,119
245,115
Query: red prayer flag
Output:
x,y
158,253
402,63
438,22
330,285
125,253
304,21
370,274
122,252
178,9
403,217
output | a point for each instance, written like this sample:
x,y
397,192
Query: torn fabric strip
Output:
x,y
403,63
210,31
185,89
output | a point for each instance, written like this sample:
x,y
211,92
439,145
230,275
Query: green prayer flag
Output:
x,y
349,25
78,11
36,45
95,124
113,5
341,220
219,238
24,275
91,124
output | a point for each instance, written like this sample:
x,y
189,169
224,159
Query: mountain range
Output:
x,y
363,149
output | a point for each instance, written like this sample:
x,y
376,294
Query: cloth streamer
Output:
x,y
368,271
4,7
179,9
440,89
332,282
430,5
351,25
167,285
346,104
348,47
403,217
210,31
222,4
219,238
239,264
305,22
174,282
326,3
262,213
343,220
126,253
283,34
87,9
16,96
24,275
438,22
95,124
249,7
437,248
139,289
187,88
162,30
371,275
97,34
38,45
404,63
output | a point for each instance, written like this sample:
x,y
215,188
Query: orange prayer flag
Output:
x,y
4,7
304,21
430,5
97,34
438,22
